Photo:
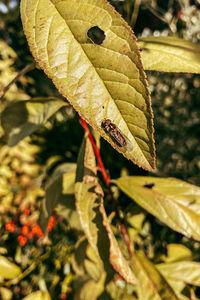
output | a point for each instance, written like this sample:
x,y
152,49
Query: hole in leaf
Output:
x,y
96,35
149,185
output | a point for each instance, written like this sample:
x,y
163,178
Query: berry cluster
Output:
x,y
27,231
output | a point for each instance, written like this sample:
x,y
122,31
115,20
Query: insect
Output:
x,y
117,136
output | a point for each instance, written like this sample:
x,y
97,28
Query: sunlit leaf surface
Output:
x,y
180,273
185,271
153,285
39,295
103,80
174,202
8,270
170,54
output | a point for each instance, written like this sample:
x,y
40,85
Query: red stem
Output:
x,y
107,182
97,153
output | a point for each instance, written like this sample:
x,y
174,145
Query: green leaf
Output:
x,y
90,275
104,81
174,202
153,285
86,192
88,289
177,252
95,224
60,194
170,54
188,272
39,295
79,256
117,259
179,274
8,270
22,118
6,293
117,289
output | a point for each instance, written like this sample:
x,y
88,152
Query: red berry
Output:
x,y
52,222
27,211
25,229
22,240
10,226
37,230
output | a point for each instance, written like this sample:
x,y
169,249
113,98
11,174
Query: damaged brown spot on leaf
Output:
x,y
96,35
149,185
192,202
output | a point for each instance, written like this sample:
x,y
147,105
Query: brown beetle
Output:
x,y
117,136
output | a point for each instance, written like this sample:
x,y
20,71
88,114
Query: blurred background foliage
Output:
x,y
175,101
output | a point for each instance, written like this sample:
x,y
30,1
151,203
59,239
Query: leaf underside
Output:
x,y
104,81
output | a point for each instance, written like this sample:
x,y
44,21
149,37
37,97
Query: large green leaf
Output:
x,y
104,81
21,118
8,270
174,202
170,54
153,286
93,218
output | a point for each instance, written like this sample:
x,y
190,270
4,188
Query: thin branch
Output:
x,y
21,73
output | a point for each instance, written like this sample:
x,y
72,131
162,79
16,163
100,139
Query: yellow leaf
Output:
x,y
174,202
153,285
103,81
170,54
39,295
177,252
8,270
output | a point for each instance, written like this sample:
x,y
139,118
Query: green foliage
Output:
x,y
134,237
